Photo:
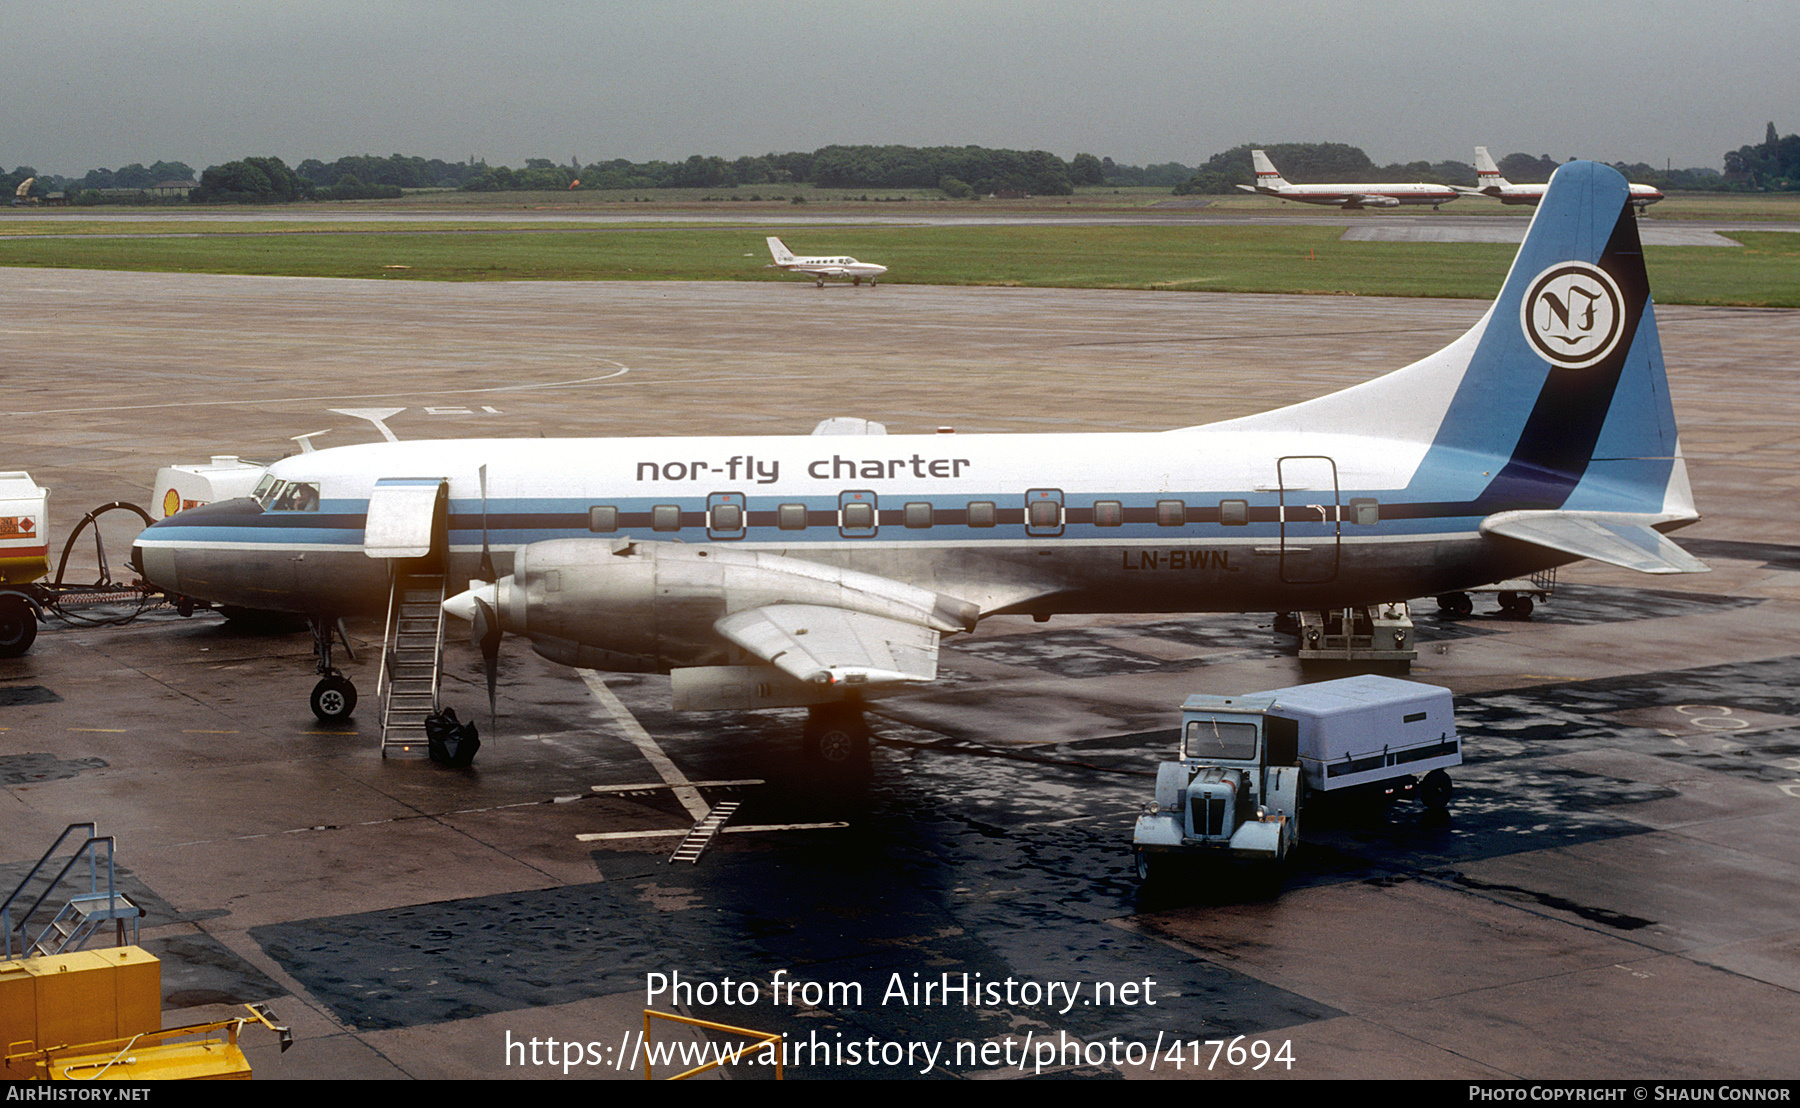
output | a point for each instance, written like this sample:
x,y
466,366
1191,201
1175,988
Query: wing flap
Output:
x,y
819,644
1617,538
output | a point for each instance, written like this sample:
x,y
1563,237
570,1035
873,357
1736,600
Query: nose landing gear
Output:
x,y
334,697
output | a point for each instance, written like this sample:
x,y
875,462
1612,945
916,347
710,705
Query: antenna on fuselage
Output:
x,y
305,441
377,416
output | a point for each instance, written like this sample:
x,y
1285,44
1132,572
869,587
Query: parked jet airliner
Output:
x,y
1269,182
816,570
821,268
1489,182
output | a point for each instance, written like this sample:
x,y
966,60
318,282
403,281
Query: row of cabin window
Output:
x,y
979,513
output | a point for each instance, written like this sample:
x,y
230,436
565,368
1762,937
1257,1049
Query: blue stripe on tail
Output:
x,y
1567,380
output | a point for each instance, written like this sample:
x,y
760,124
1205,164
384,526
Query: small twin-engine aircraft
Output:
x,y
1489,182
820,570
821,268
1269,182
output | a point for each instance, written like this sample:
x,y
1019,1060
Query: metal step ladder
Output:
x,y
701,836
412,660
81,916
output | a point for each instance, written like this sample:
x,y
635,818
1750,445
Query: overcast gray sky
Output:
x,y
208,81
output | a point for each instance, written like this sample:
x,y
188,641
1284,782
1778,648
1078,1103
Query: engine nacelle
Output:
x,y
650,606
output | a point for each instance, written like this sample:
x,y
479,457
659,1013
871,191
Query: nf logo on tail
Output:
x,y
1573,314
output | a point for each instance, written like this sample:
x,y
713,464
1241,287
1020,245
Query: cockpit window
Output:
x,y
287,496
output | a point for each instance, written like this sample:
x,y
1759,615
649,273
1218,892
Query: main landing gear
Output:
x,y
334,697
1457,604
1517,605
1513,604
836,735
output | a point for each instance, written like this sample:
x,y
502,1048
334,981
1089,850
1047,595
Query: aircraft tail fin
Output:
x,y
783,256
1487,172
1267,176
1556,401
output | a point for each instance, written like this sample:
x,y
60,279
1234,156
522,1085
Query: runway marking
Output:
x,y
634,731
377,822
617,373
688,792
647,786
1270,335
729,829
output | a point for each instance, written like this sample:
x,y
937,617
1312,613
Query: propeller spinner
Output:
x,y
478,607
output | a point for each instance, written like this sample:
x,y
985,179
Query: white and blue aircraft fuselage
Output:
x,y
819,569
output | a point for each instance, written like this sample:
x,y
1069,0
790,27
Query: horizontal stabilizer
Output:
x,y
1624,539
825,645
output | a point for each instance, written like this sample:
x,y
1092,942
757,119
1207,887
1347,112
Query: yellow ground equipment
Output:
x,y
96,1015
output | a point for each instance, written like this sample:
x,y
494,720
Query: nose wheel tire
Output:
x,y
334,699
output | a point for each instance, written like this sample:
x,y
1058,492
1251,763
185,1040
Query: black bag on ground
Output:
x,y
450,741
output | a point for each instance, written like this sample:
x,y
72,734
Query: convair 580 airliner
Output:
x,y
816,570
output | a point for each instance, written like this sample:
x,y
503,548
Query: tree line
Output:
x,y
954,171
1772,165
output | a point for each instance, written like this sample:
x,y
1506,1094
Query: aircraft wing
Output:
x,y
820,644
1618,538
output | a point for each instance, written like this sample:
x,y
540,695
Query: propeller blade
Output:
x,y
486,571
486,632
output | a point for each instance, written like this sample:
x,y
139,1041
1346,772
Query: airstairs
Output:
x,y
83,915
412,659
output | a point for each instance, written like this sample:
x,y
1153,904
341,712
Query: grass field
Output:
x,y
1306,258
